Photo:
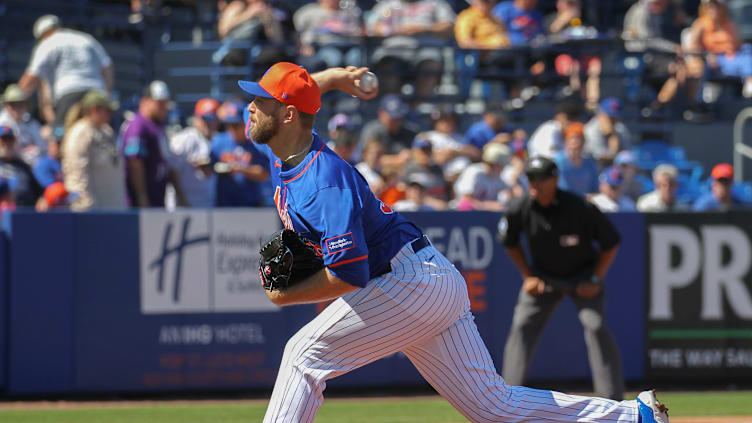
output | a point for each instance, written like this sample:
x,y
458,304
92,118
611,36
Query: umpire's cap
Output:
x,y
541,168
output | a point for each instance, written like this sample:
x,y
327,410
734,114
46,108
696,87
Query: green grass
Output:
x,y
418,410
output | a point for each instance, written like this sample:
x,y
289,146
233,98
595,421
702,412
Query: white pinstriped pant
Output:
x,y
422,309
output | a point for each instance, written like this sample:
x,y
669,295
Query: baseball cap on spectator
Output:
x,y
97,99
14,94
157,90
339,120
612,176
541,168
56,195
611,106
289,84
44,24
422,143
393,105
206,108
626,158
232,112
495,153
714,1
424,179
723,171
574,129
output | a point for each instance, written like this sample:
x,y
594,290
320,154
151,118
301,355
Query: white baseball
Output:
x,y
369,82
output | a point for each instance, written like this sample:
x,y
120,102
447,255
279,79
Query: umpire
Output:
x,y
561,229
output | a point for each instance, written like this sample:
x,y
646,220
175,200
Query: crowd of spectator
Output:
x,y
77,160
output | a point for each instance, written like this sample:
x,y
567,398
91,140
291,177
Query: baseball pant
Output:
x,y
530,317
422,309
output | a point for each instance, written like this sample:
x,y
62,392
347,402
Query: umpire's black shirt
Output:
x,y
562,235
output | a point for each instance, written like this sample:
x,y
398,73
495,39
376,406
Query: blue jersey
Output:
x,y
329,203
522,25
48,171
235,190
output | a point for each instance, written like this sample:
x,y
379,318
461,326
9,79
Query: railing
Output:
x,y
741,149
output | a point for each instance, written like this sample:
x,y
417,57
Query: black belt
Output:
x,y
416,246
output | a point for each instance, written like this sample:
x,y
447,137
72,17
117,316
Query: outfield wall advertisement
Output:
x,y
155,301
699,301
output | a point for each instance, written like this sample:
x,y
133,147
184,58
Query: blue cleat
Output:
x,y
651,411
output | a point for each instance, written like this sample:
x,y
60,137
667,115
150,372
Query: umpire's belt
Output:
x,y
416,246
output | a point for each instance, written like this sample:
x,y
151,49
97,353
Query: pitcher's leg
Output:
x,y
457,364
354,330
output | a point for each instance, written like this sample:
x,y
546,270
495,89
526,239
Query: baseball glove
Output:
x,y
286,259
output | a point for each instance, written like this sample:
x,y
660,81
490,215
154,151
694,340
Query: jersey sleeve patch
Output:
x,y
339,243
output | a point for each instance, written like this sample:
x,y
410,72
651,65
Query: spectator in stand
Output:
x,y
241,167
407,27
650,28
610,198
578,173
343,145
721,196
72,62
392,130
422,162
92,166
26,189
548,139
605,134
626,161
714,33
663,198
449,151
27,130
49,169
514,173
480,186
568,23
417,194
524,25
370,167
329,33
260,21
492,127
477,28
191,148
147,152
523,21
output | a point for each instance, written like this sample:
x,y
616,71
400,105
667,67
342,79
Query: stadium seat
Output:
x,y
651,153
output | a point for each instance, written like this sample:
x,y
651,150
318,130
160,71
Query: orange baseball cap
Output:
x,y
206,107
574,129
288,83
56,195
723,171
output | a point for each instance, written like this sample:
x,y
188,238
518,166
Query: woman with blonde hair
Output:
x,y
92,166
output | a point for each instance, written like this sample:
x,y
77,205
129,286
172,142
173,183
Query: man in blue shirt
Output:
x,y
241,168
522,20
48,169
577,173
492,126
720,196
392,290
